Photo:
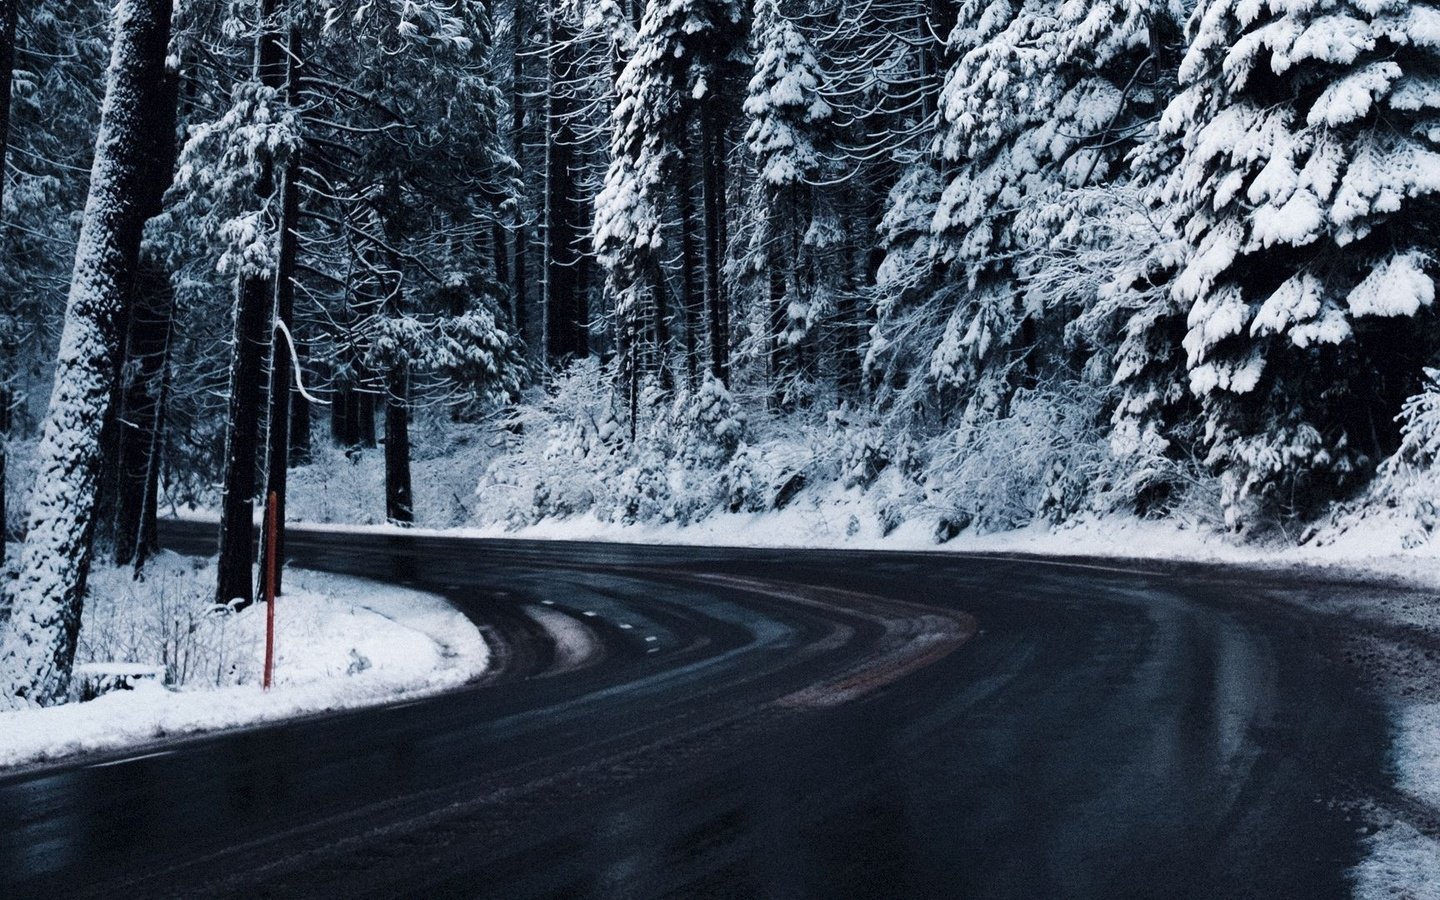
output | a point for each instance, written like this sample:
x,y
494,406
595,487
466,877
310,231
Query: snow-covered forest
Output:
x,y
982,262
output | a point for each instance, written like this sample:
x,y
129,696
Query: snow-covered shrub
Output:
x,y
169,619
1050,459
1268,477
562,447
569,454
865,454
1410,479
1420,427
744,483
1043,460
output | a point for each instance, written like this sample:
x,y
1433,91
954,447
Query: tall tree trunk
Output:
x,y
9,14
519,272
399,499
149,528
713,159
39,646
254,303
146,354
140,421
500,251
345,417
776,357
693,298
851,327
566,328
277,466
365,403
107,474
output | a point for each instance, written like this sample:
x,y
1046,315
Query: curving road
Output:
x,y
771,723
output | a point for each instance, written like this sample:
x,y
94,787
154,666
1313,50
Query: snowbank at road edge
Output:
x,y
342,643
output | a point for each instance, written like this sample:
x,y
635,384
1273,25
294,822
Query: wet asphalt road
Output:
x,y
772,723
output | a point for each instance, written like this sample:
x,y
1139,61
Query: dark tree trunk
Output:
x,y
365,403
253,307
140,415
851,328
500,252
692,300
663,352
519,272
713,159
566,328
140,421
776,357
254,303
39,645
345,417
149,527
399,500
277,464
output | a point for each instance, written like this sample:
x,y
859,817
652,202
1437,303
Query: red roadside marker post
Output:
x,y
270,529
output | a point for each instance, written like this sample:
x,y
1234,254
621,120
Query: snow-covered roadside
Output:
x,y
837,519
1403,862
341,643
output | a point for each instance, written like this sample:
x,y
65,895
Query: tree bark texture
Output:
x,y
39,645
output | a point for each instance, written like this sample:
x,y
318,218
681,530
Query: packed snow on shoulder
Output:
x,y
340,643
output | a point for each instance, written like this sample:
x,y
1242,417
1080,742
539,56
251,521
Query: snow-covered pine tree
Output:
x,y
675,63
787,116
1045,98
38,647
1308,189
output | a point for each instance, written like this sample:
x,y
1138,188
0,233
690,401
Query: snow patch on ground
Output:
x,y
341,643
1402,864
575,644
1417,751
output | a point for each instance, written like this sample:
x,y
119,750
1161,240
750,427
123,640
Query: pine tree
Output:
x,y
1308,190
262,114
1045,98
677,63
787,116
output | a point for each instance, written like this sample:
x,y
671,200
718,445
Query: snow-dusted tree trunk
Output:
x,y
9,13
138,417
39,646
278,451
